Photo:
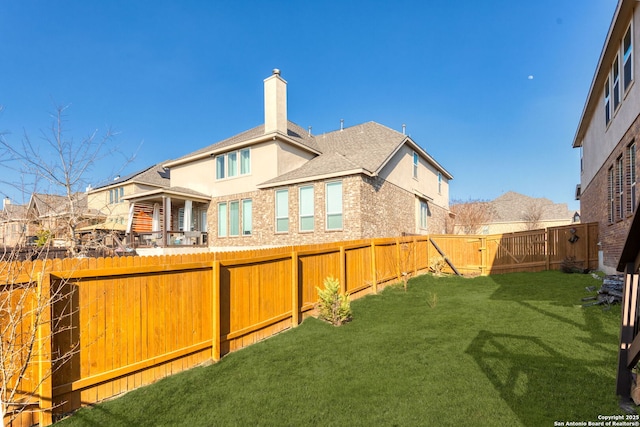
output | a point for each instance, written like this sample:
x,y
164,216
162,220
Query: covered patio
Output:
x,y
170,217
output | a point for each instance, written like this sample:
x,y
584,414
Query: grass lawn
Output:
x,y
505,350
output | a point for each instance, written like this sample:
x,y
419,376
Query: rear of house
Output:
x,y
278,184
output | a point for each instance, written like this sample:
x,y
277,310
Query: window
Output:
x,y
116,195
439,183
424,212
227,164
607,102
234,218
627,60
610,194
615,72
246,217
220,167
181,219
306,208
282,211
631,178
232,164
222,220
245,161
203,220
334,205
620,186
415,165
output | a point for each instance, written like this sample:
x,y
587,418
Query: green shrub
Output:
x,y
333,306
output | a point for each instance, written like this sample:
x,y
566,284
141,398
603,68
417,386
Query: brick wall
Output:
x,y
594,200
371,208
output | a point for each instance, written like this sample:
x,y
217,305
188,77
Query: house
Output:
x,y
110,199
15,227
61,215
606,136
513,212
278,184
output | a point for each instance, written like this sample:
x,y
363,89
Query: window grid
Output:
x,y
415,165
620,187
631,178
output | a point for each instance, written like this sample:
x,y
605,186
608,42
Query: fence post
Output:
x,y
374,278
547,258
398,261
45,344
295,292
343,270
215,292
483,256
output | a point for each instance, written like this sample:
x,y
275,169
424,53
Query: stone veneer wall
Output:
x,y
594,203
372,208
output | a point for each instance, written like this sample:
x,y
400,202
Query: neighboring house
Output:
x,y
58,215
278,184
606,136
110,198
15,227
513,212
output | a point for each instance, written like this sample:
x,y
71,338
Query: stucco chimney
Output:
x,y
6,202
275,103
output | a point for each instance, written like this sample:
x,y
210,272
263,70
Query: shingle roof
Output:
x,y
361,148
49,205
155,175
13,212
511,206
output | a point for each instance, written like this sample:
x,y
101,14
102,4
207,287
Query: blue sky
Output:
x,y
175,76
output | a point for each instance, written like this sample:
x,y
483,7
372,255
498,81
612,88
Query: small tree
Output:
x,y
532,214
59,166
471,216
333,306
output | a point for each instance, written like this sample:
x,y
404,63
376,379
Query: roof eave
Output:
x,y
315,178
263,138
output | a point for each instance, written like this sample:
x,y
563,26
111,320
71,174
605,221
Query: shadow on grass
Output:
x,y
560,291
531,377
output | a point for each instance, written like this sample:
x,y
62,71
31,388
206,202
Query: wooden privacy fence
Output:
x,y
126,322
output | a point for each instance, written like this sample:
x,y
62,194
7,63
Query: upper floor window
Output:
x,y
334,205
615,73
607,102
282,211
627,58
116,195
439,182
415,165
227,164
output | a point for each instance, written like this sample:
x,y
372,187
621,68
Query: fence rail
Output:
x,y
126,322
